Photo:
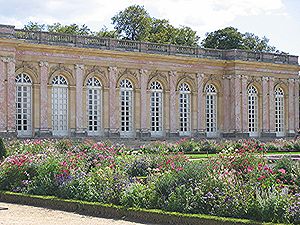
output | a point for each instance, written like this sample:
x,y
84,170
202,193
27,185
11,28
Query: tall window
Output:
x,y
93,106
126,108
59,106
279,112
184,109
156,109
252,111
211,110
23,105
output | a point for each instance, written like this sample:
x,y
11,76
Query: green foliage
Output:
x,y
231,38
133,23
3,152
34,26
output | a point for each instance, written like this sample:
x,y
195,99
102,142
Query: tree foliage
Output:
x,y
133,23
231,38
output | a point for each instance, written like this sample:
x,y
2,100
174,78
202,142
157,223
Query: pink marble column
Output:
x,y
144,79
244,105
296,104
112,99
201,104
272,105
291,107
2,95
11,95
237,103
173,100
226,100
44,96
265,105
79,75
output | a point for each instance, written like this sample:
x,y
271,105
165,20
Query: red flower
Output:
x,y
261,177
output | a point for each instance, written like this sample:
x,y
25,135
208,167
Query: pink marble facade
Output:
x,y
11,95
144,113
2,95
296,104
235,87
265,105
173,101
244,104
226,99
113,117
201,104
79,74
44,96
271,105
291,107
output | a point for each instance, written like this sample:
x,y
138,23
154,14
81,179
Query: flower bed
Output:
x,y
239,182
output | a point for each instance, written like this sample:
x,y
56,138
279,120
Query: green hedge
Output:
x,y
119,212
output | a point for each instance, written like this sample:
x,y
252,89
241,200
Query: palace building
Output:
x,y
65,85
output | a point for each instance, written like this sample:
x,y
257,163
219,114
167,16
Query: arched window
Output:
x,y
126,108
156,109
94,104
279,112
59,106
252,111
184,110
211,110
23,105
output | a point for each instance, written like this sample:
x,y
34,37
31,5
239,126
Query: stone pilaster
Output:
x,y
201,105
79,75
173,101
244,104
226,105
144,79
296,104
265,105
11,95
44,97
291,107
113,116
272,105
3,119
236,100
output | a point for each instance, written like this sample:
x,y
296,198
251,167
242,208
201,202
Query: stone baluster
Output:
x,y
296,104
79,75
173,101
144,80
272,105
11,95
201,104
291,107
112,100
44,96
244,104
265,105
3,118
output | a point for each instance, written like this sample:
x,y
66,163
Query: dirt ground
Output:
x,y
29,215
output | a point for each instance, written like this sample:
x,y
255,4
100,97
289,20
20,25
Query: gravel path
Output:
x,y
29,215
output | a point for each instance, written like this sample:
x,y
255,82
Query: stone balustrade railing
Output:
x,y
7,31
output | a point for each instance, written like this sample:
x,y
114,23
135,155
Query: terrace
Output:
x,y
36,37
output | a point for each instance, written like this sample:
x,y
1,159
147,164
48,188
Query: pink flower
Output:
x,y
250,168
261,177
282,171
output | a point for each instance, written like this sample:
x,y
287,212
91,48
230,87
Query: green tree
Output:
x,y
133,23
227,38
161,31
186,36
255,43
69,29
104,32
34,26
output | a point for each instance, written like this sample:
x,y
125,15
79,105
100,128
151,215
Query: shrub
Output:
x,y
3,152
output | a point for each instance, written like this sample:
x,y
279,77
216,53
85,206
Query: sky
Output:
x,y
278,20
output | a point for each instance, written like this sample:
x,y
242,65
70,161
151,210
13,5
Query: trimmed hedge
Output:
x,y
119,212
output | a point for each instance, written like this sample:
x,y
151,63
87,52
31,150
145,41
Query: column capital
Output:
x,y
265,78
172,73
227,77
143,71
291,80
271,79
43,64
79,66
200,75
244,77
8,59
113,69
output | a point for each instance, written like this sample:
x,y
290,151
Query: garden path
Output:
x,y
13,214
